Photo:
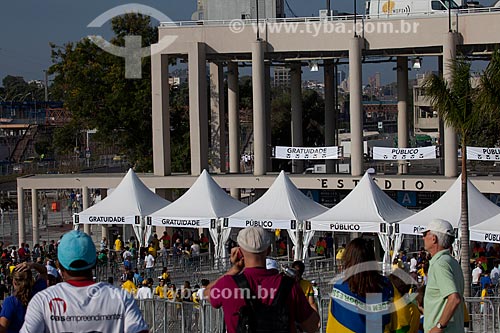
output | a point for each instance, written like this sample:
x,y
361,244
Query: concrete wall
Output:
x,y
316,36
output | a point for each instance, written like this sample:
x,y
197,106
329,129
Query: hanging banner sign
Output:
x,y
346,226
483,154
97,219
485,236
395,154
266,224
180,222
308,153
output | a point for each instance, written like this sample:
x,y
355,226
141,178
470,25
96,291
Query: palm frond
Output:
x,y
489,89
454,100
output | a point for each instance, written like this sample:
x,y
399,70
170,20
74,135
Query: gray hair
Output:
x,y
444,240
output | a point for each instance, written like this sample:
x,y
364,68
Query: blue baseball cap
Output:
x,y
76,251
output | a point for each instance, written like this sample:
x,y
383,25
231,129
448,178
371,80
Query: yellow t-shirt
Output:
x,y
414,318
307,288
159,291
118,244
340,254
173,295
130,287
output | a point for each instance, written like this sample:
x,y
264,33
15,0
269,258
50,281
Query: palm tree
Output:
x,y
489,89
455,102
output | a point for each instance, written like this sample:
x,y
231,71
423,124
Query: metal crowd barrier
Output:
x,y
164,316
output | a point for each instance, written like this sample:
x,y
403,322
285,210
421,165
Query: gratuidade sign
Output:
x,y
307,153
106,219
180,222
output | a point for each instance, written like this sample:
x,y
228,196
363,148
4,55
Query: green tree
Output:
x,y
92,84
179,128
455,102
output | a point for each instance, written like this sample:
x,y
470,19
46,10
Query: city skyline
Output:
x,y
29,26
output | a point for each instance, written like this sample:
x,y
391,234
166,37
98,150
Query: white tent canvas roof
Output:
x,y
204,201
487,231
131,198
366,209
448,207
278,208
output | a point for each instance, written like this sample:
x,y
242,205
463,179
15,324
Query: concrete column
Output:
x,y
104,228
87,228
330,123
160,115
259,105
20,215
355,106
198,113
402,81
296,101
450,136
218,118
34,217
233,114
269,146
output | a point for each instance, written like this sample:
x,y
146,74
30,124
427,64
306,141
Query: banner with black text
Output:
x,y
483,154
308,153
404,154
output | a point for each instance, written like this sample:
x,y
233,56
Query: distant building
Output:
x,y
238,9
281,76
425,119
174,81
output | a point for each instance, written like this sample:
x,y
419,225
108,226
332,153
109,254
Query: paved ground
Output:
x,y
58,224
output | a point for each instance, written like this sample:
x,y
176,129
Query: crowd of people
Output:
x,y
55,287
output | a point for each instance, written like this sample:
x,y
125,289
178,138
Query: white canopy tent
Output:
x,y
487,231
448,207
365,209
129,203
205,202
283,206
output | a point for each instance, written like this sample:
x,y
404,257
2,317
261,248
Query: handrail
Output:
x,y
176,24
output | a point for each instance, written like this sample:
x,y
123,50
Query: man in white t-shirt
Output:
x,y
79,304
145,291
149,264
495,274
476,276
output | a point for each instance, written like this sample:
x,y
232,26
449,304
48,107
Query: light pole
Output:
x,y
46,86
257,16
3,228
449,16
355,14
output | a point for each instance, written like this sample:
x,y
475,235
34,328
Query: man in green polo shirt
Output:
x,y
443,308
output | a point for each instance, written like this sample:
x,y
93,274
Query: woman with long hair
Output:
x,y
362,301
14,307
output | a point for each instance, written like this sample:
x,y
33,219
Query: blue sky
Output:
x,y
28,26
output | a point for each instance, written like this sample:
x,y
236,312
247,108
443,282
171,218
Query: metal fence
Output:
x,y
165,316
185,317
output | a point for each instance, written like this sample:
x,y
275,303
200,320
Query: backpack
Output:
x,y
256,317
